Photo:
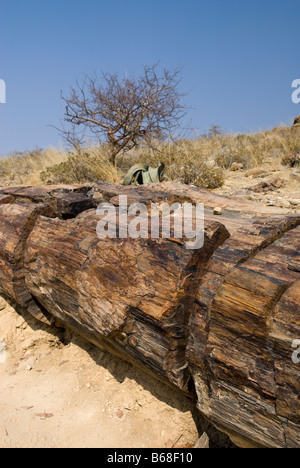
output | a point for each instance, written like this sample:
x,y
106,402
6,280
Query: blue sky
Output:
x,y
239,58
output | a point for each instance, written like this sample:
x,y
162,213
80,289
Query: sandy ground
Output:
x,y
59,391
286,194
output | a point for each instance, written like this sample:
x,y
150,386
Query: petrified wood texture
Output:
x,y
244,321
66,201
135,294
16,223
220,319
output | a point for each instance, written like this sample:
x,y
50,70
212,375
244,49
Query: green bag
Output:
x,y
142,174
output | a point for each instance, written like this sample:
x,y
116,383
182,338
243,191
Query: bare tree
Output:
x,y
123,112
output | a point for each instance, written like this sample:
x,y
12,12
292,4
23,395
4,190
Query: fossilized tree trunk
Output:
x,y
221,319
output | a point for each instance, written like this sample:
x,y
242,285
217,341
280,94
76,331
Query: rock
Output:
x,y
284,204
218,211
203,442
262,176
297,122
169,443
236,166
27,363
44,415
295,202
255,172
277,182
119,414
19,322
268,185
252,197
3,303
291,160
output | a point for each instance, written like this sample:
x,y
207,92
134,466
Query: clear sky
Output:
x,y
239,58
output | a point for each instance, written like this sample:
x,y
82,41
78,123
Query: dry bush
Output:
x,y
89,165
185,162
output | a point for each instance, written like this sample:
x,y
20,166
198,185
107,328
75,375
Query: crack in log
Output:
x,y
274,236
275,301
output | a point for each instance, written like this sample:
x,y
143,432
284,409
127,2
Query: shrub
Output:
x,y
89,166
203,176
183,162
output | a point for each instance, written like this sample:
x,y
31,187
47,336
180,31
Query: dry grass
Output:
x,y
90,165
25,169
203,162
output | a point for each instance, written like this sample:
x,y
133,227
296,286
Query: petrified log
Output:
x,y
135,294
245,319
16,223
66,201
220,320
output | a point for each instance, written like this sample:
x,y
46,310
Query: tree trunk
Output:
x,y
220,320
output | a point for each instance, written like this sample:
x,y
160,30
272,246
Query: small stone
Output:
x,y
31,362
44,415
294,202
255,172
236,166
3,303
19,322
218,211
203,442
169,443
119,414
284,204
62,363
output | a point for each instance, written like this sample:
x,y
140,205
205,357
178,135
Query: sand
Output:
x,y
58,391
